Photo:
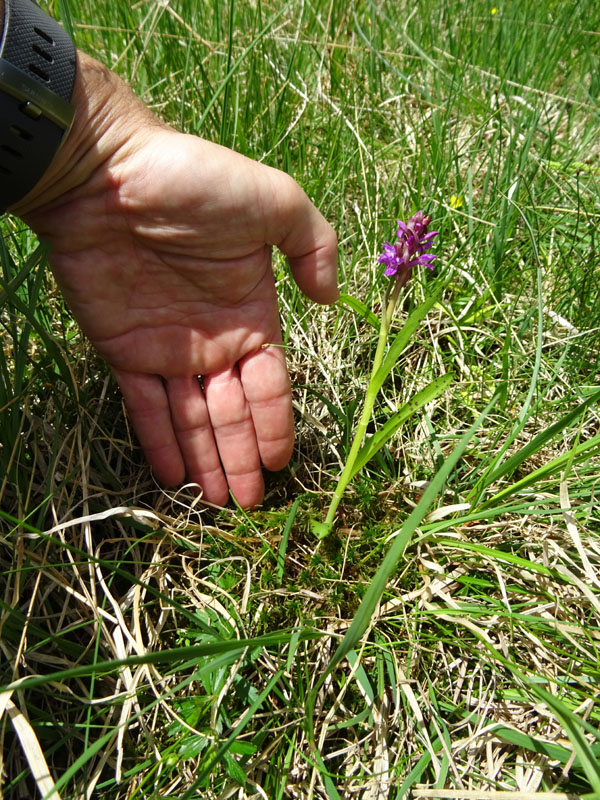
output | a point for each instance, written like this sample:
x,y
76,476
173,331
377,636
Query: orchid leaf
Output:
x,y
359,308
402,339
385,433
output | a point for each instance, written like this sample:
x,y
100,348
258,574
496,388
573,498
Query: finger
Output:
x,y
234,433
193,431
150,414
307,240
266,385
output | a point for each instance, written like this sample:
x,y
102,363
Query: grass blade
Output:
x,y
551,468
574,727
171,655
285,538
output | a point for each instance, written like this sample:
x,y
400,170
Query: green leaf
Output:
x,y
385,433
401,341
321,529
225,746
192,745
354,304
574,725
234,770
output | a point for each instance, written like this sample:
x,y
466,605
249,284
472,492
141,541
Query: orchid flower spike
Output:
x,y
410,249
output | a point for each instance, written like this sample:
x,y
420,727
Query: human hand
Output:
x,y
161,243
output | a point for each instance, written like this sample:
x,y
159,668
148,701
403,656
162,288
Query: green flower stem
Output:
x,y
391,298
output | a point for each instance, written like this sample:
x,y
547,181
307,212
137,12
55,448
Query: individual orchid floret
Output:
x,y
410,250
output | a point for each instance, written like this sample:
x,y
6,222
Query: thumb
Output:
x,y
308,241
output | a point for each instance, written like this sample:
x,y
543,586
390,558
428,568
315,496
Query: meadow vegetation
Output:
x,y
444,639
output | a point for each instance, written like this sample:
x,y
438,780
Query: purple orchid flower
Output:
x,y
414,240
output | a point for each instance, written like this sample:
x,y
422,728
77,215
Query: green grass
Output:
x,y
446,636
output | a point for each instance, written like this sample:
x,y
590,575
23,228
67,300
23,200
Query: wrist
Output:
x,y
107,118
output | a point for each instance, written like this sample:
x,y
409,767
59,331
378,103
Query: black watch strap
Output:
x,y
37,74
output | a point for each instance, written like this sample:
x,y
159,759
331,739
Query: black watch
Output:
x,y
37,74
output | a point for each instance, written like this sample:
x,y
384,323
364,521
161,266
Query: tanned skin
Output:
x,y
161,243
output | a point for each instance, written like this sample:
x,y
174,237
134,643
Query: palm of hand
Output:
x,y
165,261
